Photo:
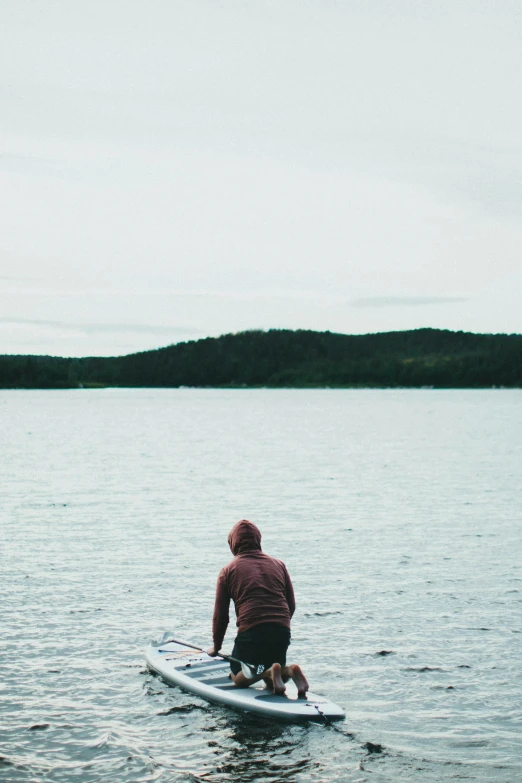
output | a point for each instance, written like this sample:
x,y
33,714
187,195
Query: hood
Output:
x,y
244,537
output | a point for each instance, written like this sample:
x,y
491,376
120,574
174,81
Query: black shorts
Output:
x,y
262,645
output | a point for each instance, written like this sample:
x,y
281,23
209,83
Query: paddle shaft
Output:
x,y
220,655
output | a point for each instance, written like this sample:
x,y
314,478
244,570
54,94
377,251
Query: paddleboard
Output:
x,y
198,673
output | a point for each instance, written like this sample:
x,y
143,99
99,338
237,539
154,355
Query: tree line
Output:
x,y
286,358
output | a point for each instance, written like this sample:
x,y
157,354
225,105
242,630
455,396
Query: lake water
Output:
x,y
397,513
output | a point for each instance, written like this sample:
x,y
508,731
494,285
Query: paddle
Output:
x,y
248,670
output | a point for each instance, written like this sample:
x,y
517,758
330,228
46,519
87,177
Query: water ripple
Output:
x,y
401,530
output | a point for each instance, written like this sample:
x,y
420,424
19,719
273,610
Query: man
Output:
x,y
263,596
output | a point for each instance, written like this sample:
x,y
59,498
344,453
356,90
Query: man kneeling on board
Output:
x,y
263,596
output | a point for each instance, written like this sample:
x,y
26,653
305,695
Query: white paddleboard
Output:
x,y
197,672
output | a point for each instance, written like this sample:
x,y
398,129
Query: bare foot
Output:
x,y
301,683
277,680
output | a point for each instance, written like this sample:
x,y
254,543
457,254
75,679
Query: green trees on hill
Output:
x,y
285,358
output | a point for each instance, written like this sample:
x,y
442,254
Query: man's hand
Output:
x,y
212,651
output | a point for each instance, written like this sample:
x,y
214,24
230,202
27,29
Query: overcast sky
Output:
x,y
176,169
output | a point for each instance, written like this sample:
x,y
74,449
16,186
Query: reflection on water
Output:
x,y
259,749
397,513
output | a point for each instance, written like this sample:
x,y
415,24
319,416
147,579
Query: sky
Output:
x,y
171,170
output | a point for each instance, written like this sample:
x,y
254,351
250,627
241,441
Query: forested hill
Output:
x,y
284,358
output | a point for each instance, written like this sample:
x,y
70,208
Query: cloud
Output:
x,y
16,278
406,301
92,329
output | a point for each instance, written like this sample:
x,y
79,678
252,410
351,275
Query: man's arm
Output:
x,y
221,614
289,591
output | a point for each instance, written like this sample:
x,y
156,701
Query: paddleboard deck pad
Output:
x,y
198,673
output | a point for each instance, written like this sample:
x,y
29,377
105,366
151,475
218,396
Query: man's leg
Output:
x,y
277,675
273,678
295,673
241,681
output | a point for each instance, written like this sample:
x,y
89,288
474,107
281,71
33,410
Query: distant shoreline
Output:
x,y
100,387
286,359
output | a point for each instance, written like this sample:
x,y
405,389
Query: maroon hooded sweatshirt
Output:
x,y
259,585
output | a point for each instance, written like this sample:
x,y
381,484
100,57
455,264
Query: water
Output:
x,y
397,513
